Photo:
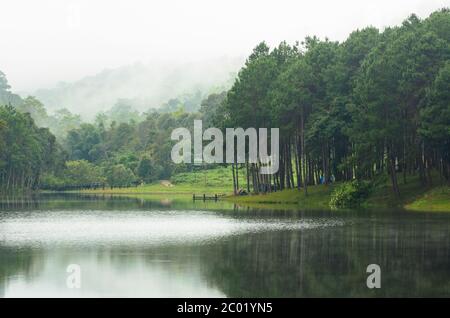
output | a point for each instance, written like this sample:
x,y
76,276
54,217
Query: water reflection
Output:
x,y
131,248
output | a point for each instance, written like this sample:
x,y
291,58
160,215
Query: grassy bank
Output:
x,y
318,197
413,197
436,199
219,181
210,182
163,188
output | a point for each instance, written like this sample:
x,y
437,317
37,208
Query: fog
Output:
x,y
142,86
48,41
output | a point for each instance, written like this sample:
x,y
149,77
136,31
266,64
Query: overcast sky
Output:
x,y
46,41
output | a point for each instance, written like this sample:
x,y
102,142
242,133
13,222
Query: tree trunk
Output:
x,y
234,179
393,174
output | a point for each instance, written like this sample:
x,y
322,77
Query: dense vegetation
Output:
x,y
377,104
27,152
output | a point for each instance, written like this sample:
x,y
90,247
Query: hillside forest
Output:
x,y
376,105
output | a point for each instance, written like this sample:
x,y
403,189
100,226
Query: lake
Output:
x,y
162,247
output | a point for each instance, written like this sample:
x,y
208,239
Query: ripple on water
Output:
x,y
137,227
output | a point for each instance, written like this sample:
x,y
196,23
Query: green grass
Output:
x,y
436,199
318,197
219,181
413,196
219,177
210,181
157,188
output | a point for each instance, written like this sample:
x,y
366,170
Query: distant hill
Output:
x,y
146,86
6,96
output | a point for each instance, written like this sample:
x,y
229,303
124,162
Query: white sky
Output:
x,y
46,41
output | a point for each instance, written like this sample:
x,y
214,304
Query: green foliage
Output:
x,y
80,172
26,151
6,97
123,112
148,171
63,121
374,105
435,114
35,108
76,174
120,176
211,109
51,182
142,146
184,103
350,194
216,177
435,199
59,123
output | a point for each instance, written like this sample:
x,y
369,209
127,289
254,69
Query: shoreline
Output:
x,y
435,199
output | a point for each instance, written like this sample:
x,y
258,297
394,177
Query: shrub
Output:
x,y
81,172
50,182
350,193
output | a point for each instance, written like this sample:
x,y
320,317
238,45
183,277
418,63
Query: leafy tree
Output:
x,y
62,122
435,118
210,108
26,150
6,97
82,172
80,142
120,176
375,104
122,112
36,110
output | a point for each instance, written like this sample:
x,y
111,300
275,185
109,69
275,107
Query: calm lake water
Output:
x,y
173,248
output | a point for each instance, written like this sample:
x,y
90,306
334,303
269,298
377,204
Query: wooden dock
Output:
x,y
204,197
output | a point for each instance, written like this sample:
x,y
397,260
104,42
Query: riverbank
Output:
x,y
217,181
318,197
210,182
412,198
162,189
437,199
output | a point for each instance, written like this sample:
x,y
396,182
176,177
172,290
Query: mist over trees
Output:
x,y
6,96
376,105
142,86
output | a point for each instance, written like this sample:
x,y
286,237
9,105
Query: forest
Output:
x,y
375,105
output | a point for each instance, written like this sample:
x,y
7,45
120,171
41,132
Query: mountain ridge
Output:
x,y
145,86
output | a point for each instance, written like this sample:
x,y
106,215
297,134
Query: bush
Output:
x,y
350,193
80,172
120,176
50,181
